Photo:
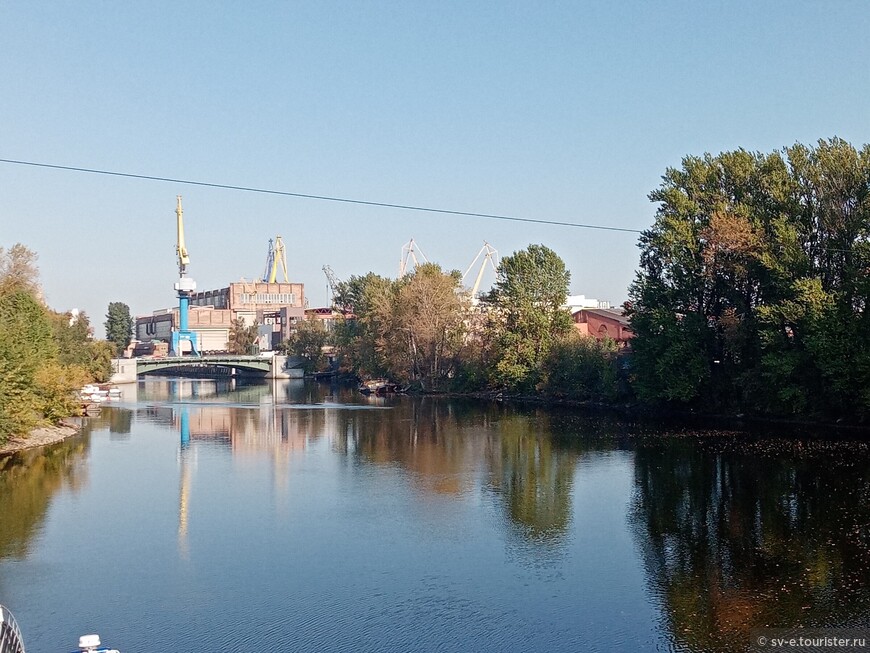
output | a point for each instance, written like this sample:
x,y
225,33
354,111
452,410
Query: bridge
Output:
x,y
126,370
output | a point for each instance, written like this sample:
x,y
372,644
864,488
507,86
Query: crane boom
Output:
x,y
409,255
332,281
489,254
270,260
279,257
180,248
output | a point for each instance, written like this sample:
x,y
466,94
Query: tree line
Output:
x,y
425,331
45,355
750,297
752,291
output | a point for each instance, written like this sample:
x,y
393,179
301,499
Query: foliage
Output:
x,y
527,315
428,327
580,367
44,356
119,326
72,333
753,286
18,270
55,386
307,341
356,339
26,344
410,329
242,337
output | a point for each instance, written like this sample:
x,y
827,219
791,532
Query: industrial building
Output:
x,y
276,306
203,320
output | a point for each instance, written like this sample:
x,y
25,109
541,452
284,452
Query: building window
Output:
x,y
268,298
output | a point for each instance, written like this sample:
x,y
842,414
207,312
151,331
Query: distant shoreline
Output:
x,y
41,437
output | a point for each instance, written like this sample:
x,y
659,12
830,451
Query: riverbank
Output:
x,y
42,436
800,426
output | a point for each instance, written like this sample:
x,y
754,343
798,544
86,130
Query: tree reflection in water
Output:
x,y
534,476
739,533
28,481
443,443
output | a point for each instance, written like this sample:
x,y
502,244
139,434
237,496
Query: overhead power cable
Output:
x,y
326,198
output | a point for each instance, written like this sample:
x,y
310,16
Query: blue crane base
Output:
x,y
178,337
183,333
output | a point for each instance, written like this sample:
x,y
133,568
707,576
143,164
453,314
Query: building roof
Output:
x,y
615,314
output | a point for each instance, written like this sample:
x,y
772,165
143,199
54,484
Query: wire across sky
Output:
x,y
325,198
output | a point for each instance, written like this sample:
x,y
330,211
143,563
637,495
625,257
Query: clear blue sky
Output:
x,y
566,111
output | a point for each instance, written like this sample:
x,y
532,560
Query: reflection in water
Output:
x,y
447,447
732,532
424,437
184,487
738,534
535,476
249,419
443,444
28,481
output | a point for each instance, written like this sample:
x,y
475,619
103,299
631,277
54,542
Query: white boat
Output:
x,y
12,642
98,394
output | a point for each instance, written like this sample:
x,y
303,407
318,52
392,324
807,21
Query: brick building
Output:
x,y
212,312
601,323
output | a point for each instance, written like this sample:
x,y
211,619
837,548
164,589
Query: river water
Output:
x,y
202,515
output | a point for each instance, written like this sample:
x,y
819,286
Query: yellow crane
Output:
x,y
277,256
184,288
180,248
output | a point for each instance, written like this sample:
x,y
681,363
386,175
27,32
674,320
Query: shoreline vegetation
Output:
x,y
69,427
46,356
751,303
751,300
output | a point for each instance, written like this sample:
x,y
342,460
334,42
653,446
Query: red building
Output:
x,y
601,323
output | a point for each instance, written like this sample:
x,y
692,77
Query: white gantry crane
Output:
x,y
490,255
410,251
332,282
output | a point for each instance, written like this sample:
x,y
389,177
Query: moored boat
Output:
x,y
12,642
379,387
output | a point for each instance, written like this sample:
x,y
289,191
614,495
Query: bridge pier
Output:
x,y
123,370
280,369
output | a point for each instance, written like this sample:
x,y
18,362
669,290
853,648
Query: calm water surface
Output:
x,y
203,516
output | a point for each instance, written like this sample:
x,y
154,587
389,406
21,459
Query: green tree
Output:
x,y
357,339
18,269
410,329
76,346
752,290
44,356
580,367
307,341
527,318
26,346
119,326
242,337
424,327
